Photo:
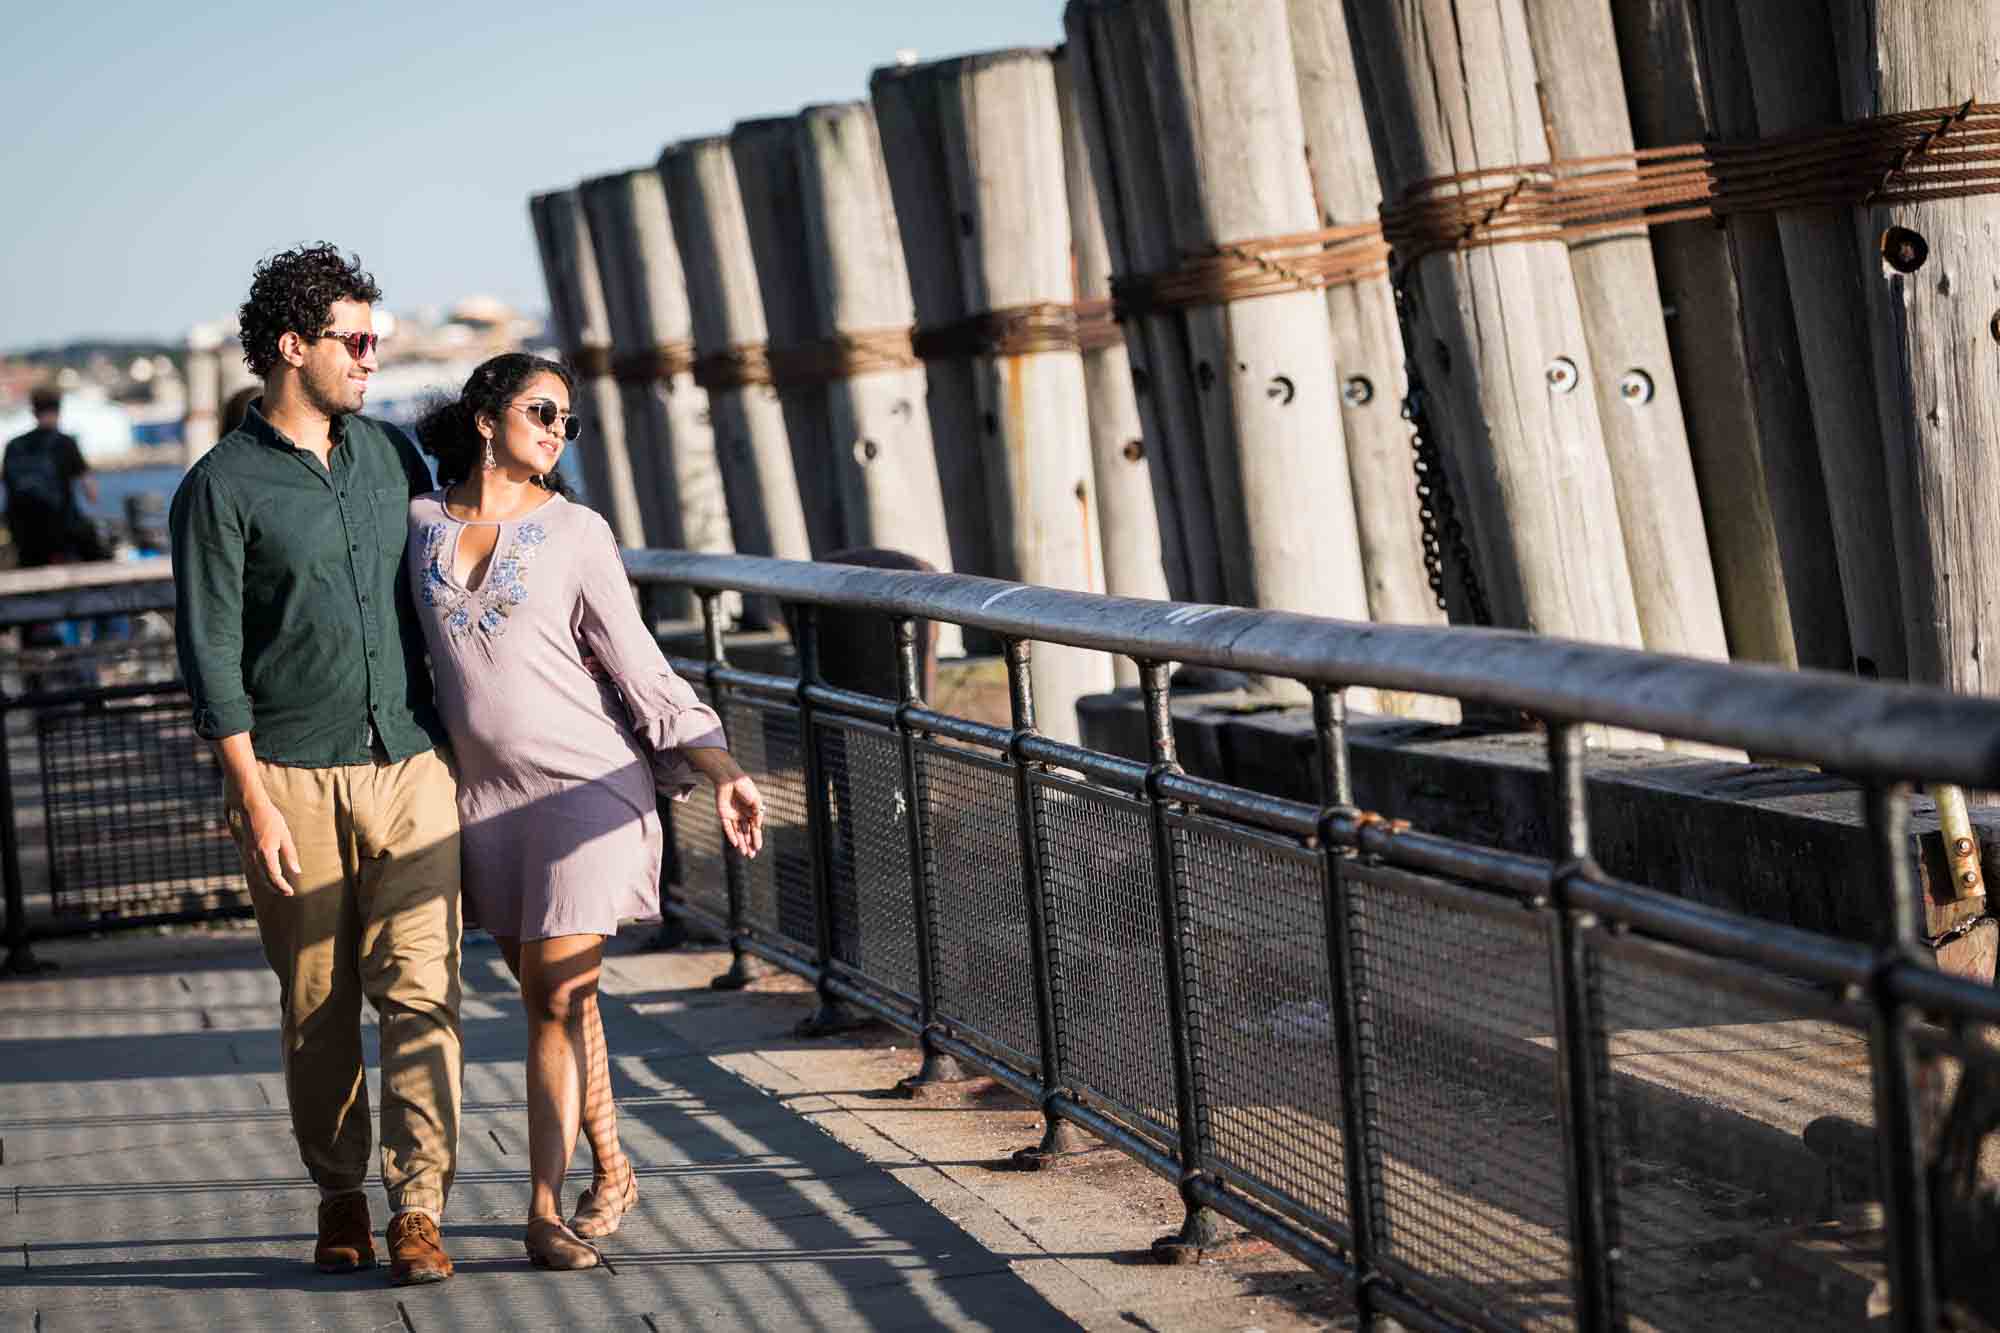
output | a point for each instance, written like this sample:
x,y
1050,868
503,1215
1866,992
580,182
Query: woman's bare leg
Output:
x,y
558,981
600,1112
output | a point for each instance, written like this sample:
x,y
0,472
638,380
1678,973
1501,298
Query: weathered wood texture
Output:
x,y
1936,340
199,426
576,306
999,139
1736,353
1126,163
883,457
1793,82
1638,396
767,181
1368,345
1224,108
667,419
726,308
1128,521
1499,335
906,116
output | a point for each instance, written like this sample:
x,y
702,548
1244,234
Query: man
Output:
x,y
42,470
299,642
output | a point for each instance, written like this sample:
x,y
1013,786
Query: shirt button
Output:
x,y
353,547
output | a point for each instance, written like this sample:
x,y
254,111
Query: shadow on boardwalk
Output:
x,y
148,1180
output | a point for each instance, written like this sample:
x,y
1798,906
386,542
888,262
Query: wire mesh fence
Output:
x,y
1489,1090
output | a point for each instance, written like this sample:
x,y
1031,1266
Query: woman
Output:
x,y
563,716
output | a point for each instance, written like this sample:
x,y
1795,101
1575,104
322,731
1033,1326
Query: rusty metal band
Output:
x,y
660,363
1097,326
1904,158
842,356
1271,266
591,361
1042,326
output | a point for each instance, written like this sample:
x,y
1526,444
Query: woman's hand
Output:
x,y
741,807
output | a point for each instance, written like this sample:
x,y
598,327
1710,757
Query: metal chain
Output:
x,y
1435,506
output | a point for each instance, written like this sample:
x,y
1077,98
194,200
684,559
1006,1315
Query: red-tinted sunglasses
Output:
x,y
358,345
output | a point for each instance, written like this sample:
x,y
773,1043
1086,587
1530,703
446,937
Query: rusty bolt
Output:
x,y
1561,374
1636,388
1904,250
1962,847
1134,450
1358,391
1969,878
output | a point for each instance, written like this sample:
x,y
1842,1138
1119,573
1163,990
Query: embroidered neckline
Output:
x,y
486,608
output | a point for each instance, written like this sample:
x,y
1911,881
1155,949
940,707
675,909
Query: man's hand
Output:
x,y
275,853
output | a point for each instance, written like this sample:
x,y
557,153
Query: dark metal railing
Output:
x,y
1481,1088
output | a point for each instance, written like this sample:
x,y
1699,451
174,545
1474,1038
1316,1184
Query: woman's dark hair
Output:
x,y
294,292
449,431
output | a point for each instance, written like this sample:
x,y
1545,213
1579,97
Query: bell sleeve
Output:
x,y
664,711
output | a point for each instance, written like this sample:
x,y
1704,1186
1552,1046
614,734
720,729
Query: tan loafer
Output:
x,y
554,1246
602,1207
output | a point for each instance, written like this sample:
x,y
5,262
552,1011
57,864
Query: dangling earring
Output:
x,y
489,462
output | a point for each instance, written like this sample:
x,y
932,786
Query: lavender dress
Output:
x,y
557,768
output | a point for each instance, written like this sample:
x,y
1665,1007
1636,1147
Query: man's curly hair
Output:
x,y
294,292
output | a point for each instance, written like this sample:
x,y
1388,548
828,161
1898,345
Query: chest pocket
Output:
x,y
389,514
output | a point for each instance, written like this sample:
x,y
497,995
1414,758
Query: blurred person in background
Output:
x,y
43,470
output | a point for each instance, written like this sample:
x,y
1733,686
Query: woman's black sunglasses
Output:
x,y
546,412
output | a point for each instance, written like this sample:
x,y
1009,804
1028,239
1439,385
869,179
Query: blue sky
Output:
x,y
156,151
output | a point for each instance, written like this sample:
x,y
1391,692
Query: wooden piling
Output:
x,y
765,155
1368,345
1113,112
1225,111
201,424
753,449
1498,332
668,432
906,117
883,456
1793,81
1735,351
997,134
576,306
1638,395
1935,335
1128,522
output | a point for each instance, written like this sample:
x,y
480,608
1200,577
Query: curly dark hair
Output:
x,y
294,292
449,430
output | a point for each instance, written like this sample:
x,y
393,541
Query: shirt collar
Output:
x,y
265,433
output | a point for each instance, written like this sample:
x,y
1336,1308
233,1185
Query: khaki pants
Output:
x,y
376,914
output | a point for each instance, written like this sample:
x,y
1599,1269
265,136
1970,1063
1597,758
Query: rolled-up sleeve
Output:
x,y
666,713
207,533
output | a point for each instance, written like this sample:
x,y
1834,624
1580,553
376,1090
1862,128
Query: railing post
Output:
x,y
21,959
1199,1228
938,1067
1359,1156
1592,1209
1905,1189
832,1015
744,967
1059,1137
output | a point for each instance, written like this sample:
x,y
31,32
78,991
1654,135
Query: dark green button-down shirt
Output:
x,y
294,617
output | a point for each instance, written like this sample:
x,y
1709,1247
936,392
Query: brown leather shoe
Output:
x,y
416,1253
346,1240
